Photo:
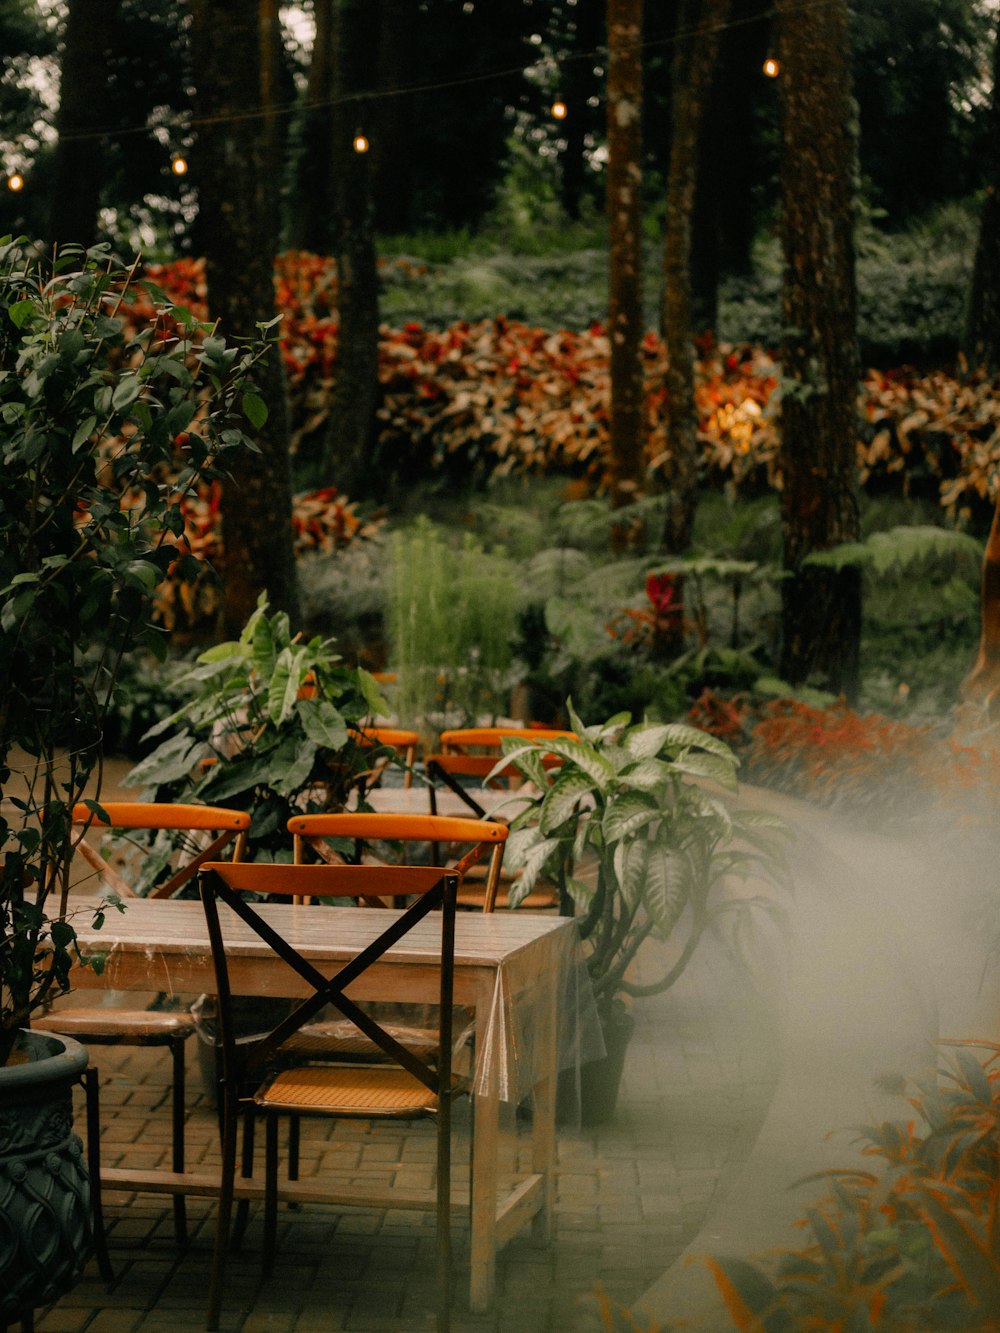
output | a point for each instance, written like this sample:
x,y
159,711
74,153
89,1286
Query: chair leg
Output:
x,y
246,1171
226,1186
270,1191
91,1088
444,1214
177,1050
294,1139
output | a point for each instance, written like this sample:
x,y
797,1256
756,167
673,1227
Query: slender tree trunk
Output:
x,y
695,49
624,187
821,606
79,157
310,227
982,684
982,340
237,224
356,390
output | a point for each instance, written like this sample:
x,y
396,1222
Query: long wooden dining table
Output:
x,y
514,969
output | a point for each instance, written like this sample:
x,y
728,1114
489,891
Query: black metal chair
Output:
x,y
407,1087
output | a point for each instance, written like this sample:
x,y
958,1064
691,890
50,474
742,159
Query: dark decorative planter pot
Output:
x,y
599,1079
46,1233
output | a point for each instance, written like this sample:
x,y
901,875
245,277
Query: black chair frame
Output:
x,y
441,894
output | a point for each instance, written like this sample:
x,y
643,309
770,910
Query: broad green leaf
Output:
x,y
648,775
562,799
627,814
264,650
223,652
644,742
291,765
631,868
372,693
580,891
586,758
708,766
323,723
519,843
20,311
255,409
172,760
535,861
234,776
681,735
667,889
125,394
290,670
83,432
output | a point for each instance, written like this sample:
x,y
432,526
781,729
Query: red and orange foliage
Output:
x,y
501,396
867,763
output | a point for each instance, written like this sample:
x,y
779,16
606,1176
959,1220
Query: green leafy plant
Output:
x,y
910,1247
104,433
268,726
632,829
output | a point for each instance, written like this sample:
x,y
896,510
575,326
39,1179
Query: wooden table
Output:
x,y
509,966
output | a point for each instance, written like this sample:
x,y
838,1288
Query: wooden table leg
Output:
x,y
543,1119
485,1151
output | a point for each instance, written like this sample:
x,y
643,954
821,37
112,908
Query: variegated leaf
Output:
x,y
562,799
632,811
708,766
682,736
667,889
648,775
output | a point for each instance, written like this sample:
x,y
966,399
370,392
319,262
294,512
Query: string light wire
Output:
x,y
186,123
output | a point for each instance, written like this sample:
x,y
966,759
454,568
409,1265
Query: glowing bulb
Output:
x,y
771,68
360,143
560,110
178,165
15,182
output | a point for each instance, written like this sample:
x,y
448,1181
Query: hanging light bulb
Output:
x,y
559,110
178,165
771,68
361,144
15,181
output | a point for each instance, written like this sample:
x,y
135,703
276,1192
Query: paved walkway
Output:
x,y
631,1194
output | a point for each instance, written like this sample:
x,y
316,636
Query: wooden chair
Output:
x,y
474,752
388,743
199,834
405,1087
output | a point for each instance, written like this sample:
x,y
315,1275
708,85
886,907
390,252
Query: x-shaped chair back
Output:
x,y
483,838
433,888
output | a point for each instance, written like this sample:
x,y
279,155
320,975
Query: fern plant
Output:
x,y
632,829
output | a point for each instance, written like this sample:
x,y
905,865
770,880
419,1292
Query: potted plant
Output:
x,y
103,434
634,829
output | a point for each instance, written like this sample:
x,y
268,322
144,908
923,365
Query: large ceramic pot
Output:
x,y
46,1232
591,1097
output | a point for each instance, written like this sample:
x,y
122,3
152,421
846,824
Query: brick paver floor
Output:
x,y
631,1194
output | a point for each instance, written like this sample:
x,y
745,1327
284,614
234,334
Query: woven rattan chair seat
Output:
x,y
346,1090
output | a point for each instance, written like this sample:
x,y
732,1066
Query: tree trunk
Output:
x,y
695,48
237,224
624,185
310,227
821,607
982,340
79,156
356,389
982,684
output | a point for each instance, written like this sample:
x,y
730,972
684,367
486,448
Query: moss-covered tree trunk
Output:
x,y
78,171
237,217
821,606
356,390
695,50
624,188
